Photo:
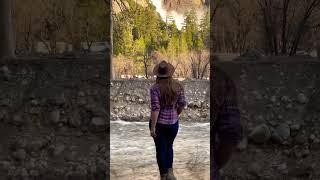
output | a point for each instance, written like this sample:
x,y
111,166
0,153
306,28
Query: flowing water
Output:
x,y
177,17
133,151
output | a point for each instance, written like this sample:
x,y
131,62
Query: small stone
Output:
x,y
243,144
37,144
4,164
79,134
17,119
70,155
288,122
254,168
95,92
6,72
312,136
286,152
276,138
317,141
60,99
283,130
260,134
58,149
257,95
98,121
81,93
285,99
35,102
260,119
288,106
82,101
24,82
305,153
24,173
34,110
282,167
301,138
302,98
75,119
34,173
21,143
272,123
31,164
295,127
19,155
5,102
54,116
273,99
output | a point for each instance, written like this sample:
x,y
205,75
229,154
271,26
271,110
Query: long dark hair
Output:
x,y
169,89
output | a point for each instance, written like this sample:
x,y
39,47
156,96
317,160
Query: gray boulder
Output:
x,y
260,134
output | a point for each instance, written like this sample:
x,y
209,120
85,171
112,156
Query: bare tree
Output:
x,y
286,22
6,30
199,64
243,22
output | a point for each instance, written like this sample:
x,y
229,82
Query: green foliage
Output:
x,y
139,31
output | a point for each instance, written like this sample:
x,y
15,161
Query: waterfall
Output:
x,y
178,17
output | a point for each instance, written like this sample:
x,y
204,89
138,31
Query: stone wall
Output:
x,y
279,101
130,100
53,119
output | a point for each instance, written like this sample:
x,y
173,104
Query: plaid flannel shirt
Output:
x,y
167,114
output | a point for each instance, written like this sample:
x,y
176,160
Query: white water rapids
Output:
x,y
131,147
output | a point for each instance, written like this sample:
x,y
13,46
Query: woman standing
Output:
x,y
167,102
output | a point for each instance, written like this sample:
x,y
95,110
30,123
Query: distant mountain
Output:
x,y
181,6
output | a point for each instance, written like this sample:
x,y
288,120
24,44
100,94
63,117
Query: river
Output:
x,y
133,152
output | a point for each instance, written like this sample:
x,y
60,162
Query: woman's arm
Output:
x,y
181,102
155,108
179,110
154,119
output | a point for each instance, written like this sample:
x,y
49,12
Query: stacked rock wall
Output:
x,y
279,103
53,119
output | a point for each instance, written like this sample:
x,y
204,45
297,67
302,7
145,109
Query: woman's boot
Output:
x,y
171,175
163,176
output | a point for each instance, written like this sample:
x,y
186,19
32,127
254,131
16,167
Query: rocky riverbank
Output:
x,y
130,100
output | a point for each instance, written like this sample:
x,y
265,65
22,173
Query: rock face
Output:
x,y
182,6
51,113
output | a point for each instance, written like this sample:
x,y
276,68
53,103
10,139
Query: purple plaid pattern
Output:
x,y
168,114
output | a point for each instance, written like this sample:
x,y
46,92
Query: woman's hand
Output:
x,y
153,132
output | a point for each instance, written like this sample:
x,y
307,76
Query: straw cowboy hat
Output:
x,y
163,69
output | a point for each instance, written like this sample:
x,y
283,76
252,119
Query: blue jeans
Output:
x,y
165,135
